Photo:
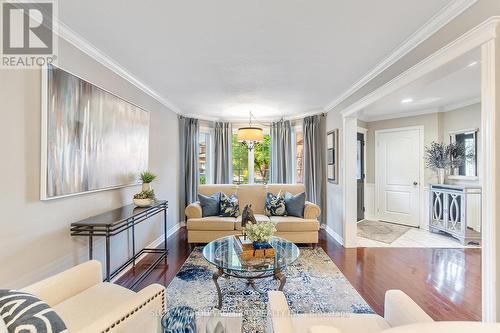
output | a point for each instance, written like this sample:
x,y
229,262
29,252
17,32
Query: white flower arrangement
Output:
x,y
260,232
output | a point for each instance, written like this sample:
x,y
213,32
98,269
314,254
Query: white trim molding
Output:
x,y
92,51
334,234
438,21
472,39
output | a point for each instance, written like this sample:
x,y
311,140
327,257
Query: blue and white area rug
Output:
x,y
314,285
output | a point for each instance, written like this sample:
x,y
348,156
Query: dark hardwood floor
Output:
x,y
446,283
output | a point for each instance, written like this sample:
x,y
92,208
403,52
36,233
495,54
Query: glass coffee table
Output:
x,y
222,254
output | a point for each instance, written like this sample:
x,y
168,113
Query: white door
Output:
x,y
398,165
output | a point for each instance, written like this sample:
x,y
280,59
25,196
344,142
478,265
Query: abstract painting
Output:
x,y
92,140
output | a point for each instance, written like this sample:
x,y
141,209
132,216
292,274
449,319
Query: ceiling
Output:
x,y
220,59
456,84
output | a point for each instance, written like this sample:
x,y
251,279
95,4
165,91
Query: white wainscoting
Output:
x,y
370,209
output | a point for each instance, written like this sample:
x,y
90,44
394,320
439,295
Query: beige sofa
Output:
x,y
88,305
401,315
298,230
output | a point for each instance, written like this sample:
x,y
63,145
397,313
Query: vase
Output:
x,y
146,186
259,245
441,172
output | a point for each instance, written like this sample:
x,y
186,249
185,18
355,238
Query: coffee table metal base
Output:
x,y
250,281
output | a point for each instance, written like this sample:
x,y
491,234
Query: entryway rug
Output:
x,y
381,231
314,285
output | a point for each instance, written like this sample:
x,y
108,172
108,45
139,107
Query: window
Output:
x,y
203,154
240,162
262,158
468,140
299,157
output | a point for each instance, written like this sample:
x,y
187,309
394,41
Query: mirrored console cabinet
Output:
x,y
456,210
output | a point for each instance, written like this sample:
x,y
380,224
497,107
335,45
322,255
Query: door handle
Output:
x,y
415,183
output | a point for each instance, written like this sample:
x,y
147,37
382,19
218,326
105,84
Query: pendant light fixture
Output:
x,y
250,135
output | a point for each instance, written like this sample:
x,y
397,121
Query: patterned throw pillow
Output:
x,y
275,204
229,206
295,204
210,206
23,312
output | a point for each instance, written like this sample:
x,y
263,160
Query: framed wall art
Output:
x,y
332,147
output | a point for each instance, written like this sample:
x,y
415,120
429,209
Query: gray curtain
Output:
x,y
189,131
281,152
315,161
222,153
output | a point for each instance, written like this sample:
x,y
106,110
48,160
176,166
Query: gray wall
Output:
x,y
436,128
35,240
334,196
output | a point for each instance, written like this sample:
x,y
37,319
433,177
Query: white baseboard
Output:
x,y
153,244
335,235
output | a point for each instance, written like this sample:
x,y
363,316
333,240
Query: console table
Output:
x,y
114,222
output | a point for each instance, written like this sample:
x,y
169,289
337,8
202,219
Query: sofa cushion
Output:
x,y
91,304
210,205
349,323
229,205
295,204
258,218
212,223
253,194
291,223
292,188
275,204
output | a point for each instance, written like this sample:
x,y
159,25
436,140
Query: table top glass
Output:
x,y
222,253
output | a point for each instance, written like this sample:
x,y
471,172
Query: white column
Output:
x,y
490,231
250,166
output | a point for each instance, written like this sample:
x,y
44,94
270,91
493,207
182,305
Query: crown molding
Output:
x,y
422,112
477,36
443,17
92,51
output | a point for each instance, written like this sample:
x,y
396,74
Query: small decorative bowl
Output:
x,y
143,202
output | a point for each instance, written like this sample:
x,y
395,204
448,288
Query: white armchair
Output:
x,y
88,305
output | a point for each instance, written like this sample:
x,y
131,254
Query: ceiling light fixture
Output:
x,y
250,135
407,100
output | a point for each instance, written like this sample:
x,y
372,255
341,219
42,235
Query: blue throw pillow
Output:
x,y
209,205
275,204
295,204
229,206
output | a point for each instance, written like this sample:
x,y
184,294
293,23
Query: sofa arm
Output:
x,y
311,211
193,211
64,285
400,310
142,313
279,320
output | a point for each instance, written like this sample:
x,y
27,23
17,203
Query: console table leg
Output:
x,y
215,277
108,266
165,233
133,245
278,275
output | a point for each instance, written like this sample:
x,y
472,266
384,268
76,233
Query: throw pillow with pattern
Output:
x,y
23,312
275,204
229,205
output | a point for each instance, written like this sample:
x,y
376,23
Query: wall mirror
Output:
x,y
468,139
332,156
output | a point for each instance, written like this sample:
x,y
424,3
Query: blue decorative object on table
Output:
x,y
179,320
261,245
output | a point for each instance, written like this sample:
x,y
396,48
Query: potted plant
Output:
x,y
147,177
144,198
437,158
260,234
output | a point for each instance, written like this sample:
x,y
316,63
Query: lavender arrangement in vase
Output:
x,y
437,158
